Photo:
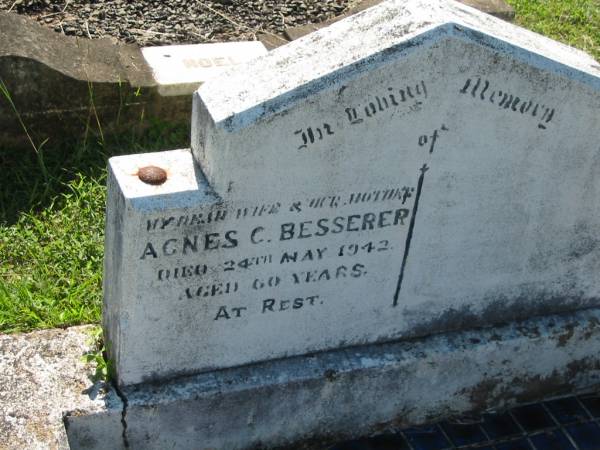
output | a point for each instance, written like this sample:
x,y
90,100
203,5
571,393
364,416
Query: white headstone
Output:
x,y
180,69
417,168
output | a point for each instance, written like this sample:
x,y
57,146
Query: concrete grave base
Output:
x,y
355,392
309,401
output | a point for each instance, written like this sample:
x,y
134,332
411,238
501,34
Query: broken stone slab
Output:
x,y
315,400
68,88
42,375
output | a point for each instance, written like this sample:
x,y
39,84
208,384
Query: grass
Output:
x,y
52,201
573,22
52,260
52,229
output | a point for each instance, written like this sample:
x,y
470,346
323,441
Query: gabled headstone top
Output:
x,y
360,42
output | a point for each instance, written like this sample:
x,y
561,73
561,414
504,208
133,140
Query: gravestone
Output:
x,y
399,187
356,206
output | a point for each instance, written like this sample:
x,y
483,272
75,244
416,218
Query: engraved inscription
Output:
x,y
388,102
394,102
205,63
214,263
482,90
311,135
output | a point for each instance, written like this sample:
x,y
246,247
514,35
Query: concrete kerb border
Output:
x,y
56,82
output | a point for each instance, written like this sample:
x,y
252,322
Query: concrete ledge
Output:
x,y
322,398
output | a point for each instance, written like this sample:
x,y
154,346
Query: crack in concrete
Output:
x,y
123,398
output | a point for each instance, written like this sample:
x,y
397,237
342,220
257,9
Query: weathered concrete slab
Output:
x,y
181,69
42,375
314,400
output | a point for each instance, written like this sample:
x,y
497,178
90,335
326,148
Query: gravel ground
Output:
x,y
156,22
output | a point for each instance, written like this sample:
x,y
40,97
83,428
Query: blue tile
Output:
x,y
592,403
533,417
389,442
567,410
585,435
551,440
520,444
500,426
464,433
427,438
361,444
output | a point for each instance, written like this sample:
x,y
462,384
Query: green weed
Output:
x,y
37,148
97,356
